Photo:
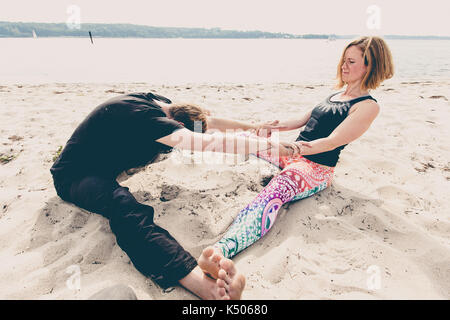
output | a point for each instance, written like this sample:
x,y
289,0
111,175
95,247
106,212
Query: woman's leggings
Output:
x,y
299,178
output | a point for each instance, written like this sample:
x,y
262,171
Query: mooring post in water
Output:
x,y
90,36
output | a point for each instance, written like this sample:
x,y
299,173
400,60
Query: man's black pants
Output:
x,y
153,251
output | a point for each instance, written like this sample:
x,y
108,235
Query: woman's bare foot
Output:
x,y
209,261
230,283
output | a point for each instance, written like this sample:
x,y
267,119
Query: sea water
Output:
x,y
170,61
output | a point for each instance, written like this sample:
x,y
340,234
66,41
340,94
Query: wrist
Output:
x,y
298,148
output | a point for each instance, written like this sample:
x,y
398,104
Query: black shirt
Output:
x,y
117,135
326,117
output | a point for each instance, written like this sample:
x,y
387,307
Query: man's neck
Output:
x,y
165,108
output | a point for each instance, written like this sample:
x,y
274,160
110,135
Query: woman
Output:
x,y
340,119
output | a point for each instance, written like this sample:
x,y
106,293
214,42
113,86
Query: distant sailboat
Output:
x,y
34,35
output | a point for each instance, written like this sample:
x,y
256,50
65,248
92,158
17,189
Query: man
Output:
x,y
129,131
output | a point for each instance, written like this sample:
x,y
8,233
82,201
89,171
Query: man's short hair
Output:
x,y
189,115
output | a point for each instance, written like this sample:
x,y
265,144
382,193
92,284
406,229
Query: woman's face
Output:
x,y
353,68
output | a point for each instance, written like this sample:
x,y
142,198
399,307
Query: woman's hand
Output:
x,y
265,129
284,149
301,145
289,149
293,148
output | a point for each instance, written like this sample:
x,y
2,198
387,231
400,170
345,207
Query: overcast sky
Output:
x,y
426,17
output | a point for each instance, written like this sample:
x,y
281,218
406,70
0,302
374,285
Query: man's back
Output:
x,y
117,135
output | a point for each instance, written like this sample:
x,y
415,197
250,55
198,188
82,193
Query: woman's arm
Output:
x,y
295,124
349,130
261,129
266,129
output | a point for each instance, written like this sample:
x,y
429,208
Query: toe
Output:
x,y
223,295
223,275
228,266
207,252
220,283
216,258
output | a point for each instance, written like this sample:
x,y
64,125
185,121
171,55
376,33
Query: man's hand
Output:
x,y
292,147
265,130
301,145
287,149
295,148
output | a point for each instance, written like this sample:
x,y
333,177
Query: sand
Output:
x,y
381,231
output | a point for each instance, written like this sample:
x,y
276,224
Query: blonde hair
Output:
x,y
378,59
188,114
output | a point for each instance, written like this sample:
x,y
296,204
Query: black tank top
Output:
x,y
325,117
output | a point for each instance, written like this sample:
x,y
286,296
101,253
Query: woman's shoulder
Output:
x,y
367,106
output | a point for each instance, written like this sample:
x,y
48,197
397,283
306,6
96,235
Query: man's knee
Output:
x,y
126,203
93,194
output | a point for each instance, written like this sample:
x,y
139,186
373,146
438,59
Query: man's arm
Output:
x,y
227,143
222,124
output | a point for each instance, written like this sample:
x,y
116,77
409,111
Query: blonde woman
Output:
x,y
327,128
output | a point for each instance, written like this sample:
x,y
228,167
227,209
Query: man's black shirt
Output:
x,y
117,135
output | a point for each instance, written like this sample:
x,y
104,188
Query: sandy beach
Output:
x,y
381,231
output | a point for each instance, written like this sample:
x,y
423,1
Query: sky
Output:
x,y
402,17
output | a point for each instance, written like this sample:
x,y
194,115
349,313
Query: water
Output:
x,y
169,61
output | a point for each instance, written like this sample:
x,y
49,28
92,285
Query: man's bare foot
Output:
x,y
230,283
201,285
209,261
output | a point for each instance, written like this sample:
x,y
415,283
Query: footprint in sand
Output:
x,y
169,192
396,195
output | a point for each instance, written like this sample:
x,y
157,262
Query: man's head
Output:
x,y
188,114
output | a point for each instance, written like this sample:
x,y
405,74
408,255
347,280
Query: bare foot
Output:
x,y
209,261
201,285
230,283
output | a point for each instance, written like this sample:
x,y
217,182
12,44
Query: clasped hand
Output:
x,y
289,149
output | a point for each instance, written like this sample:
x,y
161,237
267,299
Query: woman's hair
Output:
x,y
377,58
188,114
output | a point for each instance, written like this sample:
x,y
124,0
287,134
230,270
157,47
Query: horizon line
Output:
x,y
239,30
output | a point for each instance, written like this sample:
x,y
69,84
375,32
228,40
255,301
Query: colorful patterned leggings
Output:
x,y
299,178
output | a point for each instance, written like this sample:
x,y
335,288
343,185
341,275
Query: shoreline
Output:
x,y
305,83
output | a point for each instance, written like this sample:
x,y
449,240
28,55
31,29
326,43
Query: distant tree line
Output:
x,y
26,29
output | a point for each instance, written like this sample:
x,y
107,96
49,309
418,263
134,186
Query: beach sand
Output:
x,y
381,231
